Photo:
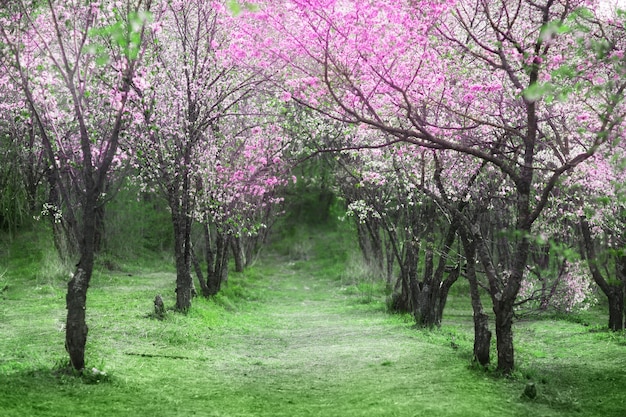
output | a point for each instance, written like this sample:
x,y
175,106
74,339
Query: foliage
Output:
x,y
570,290
137,225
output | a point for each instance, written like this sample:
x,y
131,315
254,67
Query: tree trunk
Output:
x,y
218,271
503,297
482,335
209,254
99,235
615,297
221,261
370,242
76,298
422,307
184,283
389,256
414,289
182,253
444,289
238,253
65,228
198,269
76,326
504,336
406,300
434,290
612,289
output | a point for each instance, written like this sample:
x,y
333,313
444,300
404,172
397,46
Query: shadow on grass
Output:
x,y
580,388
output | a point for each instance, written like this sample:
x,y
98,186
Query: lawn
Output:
x,y
295,335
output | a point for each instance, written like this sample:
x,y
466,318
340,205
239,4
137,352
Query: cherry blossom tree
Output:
x,y
598,192
204,139
236,191
383,187
74,64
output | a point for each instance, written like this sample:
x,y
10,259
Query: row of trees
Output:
x,y
95,92
493,110
473,138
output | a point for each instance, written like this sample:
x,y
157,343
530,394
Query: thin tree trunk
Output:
x,y
100,229
238,253
198,269
482,335
616,308
413,284
612,289
218,271
389,263
209,254
444,289
65,229
434,291
503,298
184,282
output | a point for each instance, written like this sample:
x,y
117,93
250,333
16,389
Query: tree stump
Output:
x,y
530,391
159,307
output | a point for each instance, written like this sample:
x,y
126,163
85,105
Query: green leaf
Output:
x,y
235,7
252,7
565,71
552,29
536,91
102,59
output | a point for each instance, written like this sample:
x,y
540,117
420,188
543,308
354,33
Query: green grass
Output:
x,y
303,333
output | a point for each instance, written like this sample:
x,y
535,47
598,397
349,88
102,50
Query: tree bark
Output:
x,y
612,289
76,297
444,289
434,289
217,269
238,253
504,337
198,269
75,325
503,298
64,230
482,335
615,297
390,258
182,254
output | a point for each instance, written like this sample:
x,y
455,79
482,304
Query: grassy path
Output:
x,y
318,351
283,340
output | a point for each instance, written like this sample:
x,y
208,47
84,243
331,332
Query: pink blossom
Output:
x,y
285,96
